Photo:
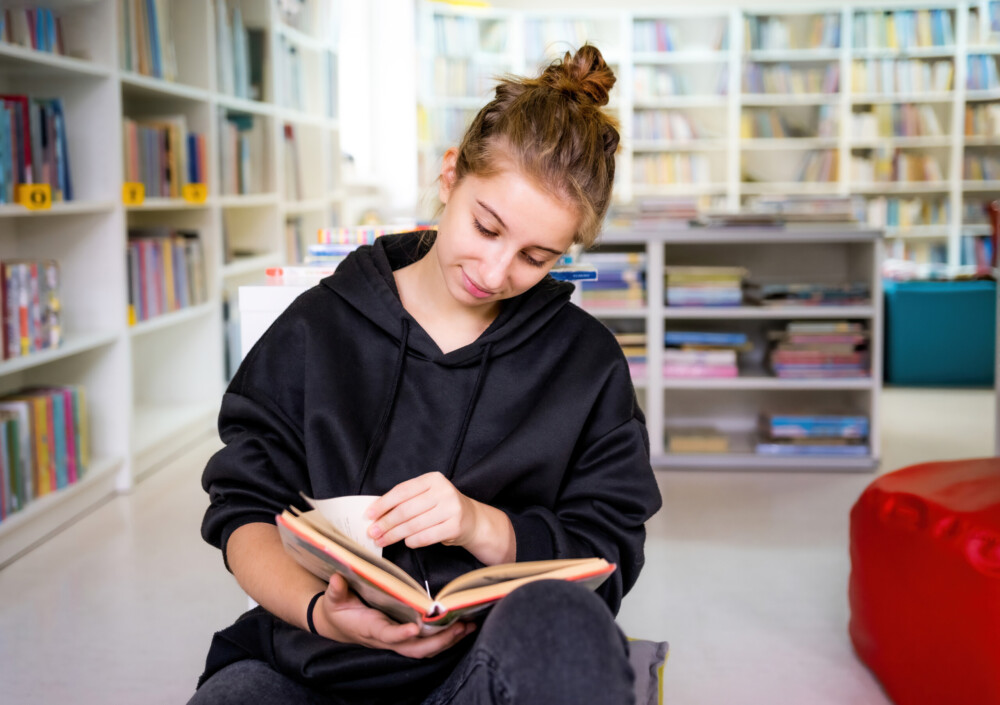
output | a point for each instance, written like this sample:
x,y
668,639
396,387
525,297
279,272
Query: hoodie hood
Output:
x,y
365,281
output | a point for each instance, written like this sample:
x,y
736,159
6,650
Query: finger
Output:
x,y
402,513
400,493
427,521
428,646
442,532
391,633
338,590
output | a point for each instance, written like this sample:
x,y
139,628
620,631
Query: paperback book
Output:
x,y
323,550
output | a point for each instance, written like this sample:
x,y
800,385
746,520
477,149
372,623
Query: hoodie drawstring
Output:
x,y
460,441
390,403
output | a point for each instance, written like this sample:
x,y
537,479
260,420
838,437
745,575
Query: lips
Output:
x,y
473,289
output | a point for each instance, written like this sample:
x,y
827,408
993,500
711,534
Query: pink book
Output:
x,y
72,474
701,371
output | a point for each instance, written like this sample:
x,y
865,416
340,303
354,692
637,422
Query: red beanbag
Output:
x,y
925,582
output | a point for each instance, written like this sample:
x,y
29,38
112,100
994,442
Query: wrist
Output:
x,y
314,612
493,538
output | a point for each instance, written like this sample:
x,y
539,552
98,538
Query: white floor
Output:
x,y
746,576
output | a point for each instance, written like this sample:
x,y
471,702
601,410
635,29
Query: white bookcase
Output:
x,y
683,106
828,254
155,385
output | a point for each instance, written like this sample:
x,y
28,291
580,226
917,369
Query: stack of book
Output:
x,y
33,147
43,444
704,286
634,348
702,354
166,272
804,434
820,350
696,440
621,280
32,308
850,294
162,155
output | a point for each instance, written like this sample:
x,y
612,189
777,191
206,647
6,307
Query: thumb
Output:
x,y
338,590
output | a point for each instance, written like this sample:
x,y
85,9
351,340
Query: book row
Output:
x,y
458,78
905,213
980,167
671,168
33,28
771,123
163,155
43,444
785,79
902,76
239,53
32,306
903,29
896,120
652,82
778,33
662,35
670,125
166,272
544,35
982,73
894,166
242,153
467,36
145,38
982,120
33,147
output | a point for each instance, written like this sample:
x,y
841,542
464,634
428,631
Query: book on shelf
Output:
x,y
43,443
704,286
39,28
292,164
239,53
161,154
813,434
166,272
820,350
808,294
324,551
696,440
33,147
31,306
242,152
146,43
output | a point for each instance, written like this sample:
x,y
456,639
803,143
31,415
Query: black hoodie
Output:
x,y
346,394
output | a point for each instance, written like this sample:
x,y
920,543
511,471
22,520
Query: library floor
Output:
x,y
746,577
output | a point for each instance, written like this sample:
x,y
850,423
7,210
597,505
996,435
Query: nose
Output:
x,y
496,268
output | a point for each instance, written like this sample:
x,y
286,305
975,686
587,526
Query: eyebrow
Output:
x,y
504,226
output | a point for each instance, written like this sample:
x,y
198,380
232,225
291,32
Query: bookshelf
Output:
x,y
271,157
907,121
820,253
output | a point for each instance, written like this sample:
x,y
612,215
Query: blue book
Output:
x,y
59,436
691,338
154,38
811,450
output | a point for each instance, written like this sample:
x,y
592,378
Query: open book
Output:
x,y
323,550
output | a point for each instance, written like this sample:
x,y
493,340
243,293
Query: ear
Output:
x,y
449,174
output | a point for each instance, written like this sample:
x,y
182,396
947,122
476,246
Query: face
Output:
x,y
498,236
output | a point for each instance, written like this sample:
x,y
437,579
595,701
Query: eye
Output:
x,y
483,231
531,260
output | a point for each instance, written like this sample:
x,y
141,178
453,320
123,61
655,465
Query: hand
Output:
x,y
425,510
340,615
429,509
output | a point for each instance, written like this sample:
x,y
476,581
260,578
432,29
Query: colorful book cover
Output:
x,y
6,474
24,448
57,423
69,424
82,429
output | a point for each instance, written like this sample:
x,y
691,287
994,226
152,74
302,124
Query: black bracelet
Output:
x,y
309,611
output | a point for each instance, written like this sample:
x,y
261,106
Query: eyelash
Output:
x,y
490,234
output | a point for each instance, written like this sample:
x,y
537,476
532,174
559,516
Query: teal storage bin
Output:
x,y
940,333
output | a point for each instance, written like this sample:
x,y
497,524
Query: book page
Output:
x,y
347,514
493,574
318,523
590,573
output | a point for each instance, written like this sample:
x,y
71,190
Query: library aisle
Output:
x,y
746,577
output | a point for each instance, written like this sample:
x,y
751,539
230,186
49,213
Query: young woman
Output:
x,y
449,375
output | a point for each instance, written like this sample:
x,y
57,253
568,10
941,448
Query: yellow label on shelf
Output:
x,y
133,193
35,197
194,193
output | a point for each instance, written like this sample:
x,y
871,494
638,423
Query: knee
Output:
x,y
557,610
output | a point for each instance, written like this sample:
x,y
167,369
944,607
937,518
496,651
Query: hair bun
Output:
x,y
584,75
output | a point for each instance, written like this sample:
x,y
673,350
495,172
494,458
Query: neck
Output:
x,y
422,288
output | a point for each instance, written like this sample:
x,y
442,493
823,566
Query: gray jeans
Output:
x,y
547,642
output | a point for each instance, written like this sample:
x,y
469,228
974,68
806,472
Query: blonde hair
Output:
x,y
552,129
